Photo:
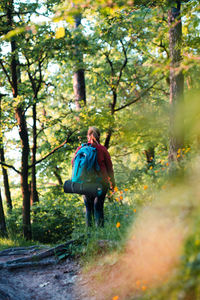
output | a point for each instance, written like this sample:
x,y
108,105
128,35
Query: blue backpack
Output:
x,y
85,165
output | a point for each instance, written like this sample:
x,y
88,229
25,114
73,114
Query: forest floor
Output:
x,y
40,279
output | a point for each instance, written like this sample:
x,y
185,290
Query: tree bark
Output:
x,y
112,108
176,80
79,88
150,155
23,132
108,137
32,260
57,175
4,171
3,231
79,75
5,180
34,193
36,85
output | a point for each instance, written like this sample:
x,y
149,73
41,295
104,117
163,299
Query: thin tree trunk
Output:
x,y
108,137
4,171
57,175
3,230
79,88
79,75
110,130
23,132
176,80
34,193
5,180
150,155
36,88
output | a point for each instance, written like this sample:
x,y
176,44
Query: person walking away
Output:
x,y
95,205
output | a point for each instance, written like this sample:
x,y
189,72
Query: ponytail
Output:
x,y
94,134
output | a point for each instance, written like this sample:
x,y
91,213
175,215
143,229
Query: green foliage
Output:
x,y
55,218
123,48
13,242
116,212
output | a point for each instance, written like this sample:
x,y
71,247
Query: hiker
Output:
x,y
94,205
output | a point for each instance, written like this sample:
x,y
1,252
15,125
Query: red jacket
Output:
x,y
105,163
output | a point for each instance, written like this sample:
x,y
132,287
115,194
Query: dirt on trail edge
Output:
x,y
32,273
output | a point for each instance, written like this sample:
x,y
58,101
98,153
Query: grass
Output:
x,y
6,243
121,211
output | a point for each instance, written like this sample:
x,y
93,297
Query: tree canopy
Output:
x,y
130,68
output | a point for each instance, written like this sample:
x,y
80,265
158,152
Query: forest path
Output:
x,y
44,279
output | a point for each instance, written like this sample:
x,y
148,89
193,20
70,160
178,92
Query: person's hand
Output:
x,y
112,188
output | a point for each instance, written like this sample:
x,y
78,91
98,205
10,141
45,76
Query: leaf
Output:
x,y
60,32
14,32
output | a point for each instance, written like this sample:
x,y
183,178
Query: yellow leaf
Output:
x,y
70,20
197,242
60,32
14,32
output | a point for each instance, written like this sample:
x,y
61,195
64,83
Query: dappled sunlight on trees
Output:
x,y
130,68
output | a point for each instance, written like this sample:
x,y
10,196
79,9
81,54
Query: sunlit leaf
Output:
x,y
14,32
60,32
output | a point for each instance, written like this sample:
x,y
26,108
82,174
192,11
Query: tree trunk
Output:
x,y
34,193
23,132
57,175
79,75
3,231
4,171
5,180
110,130
79,88
150,155
108,137
176,80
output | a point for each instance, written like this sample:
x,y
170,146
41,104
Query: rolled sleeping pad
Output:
x,y
89,189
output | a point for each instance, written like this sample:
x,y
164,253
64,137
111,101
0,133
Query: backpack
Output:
x,y
85,166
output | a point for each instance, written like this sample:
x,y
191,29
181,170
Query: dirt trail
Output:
x,y
54,281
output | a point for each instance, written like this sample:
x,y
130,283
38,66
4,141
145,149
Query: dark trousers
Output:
x,y
94,208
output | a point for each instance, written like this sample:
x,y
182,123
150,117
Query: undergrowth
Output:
x,y
60,217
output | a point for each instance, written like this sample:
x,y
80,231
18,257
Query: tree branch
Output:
x,y
161,45
139,97
53,151
110,63
10,166
124,63
19,13
40,76
6,73
36,83
99,74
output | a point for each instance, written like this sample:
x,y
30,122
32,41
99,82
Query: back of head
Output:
x,y
93,134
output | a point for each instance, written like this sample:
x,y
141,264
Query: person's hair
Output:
x,y
94,134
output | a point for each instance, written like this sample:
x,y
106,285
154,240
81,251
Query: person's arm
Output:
x,y
109,167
